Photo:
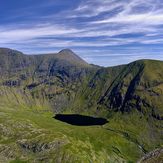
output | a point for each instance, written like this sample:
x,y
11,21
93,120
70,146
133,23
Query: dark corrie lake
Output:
x,y
80,120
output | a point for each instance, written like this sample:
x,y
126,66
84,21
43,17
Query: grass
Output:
x,y
90,143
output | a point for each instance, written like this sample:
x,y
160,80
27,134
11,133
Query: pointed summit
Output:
x,y
67,51
70,56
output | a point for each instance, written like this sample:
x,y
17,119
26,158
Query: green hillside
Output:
x,y
33,88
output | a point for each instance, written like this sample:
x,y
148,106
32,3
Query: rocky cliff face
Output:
x,y
153,157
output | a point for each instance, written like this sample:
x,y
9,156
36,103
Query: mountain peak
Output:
x,y
67,51
69,55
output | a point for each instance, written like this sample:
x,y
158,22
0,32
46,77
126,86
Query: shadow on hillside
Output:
x,y
80,120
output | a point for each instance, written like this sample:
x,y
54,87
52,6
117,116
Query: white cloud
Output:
x,y
91,8
20,34
146,19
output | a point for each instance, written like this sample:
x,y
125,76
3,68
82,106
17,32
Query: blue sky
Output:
x,y
103,32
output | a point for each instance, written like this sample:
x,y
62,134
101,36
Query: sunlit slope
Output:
x,y
34,136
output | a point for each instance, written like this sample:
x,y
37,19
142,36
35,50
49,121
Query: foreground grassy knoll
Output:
x,y
35,136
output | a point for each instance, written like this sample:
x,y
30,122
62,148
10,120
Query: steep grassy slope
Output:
x,y
33,88
136,86
140,86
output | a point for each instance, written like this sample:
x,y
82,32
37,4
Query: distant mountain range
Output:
x,y
63,82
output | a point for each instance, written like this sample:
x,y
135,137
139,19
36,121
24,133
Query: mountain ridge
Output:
x,y
66,67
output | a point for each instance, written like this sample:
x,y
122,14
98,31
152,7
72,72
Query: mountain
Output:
x,y
45,75
35,87
13,60
138,85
